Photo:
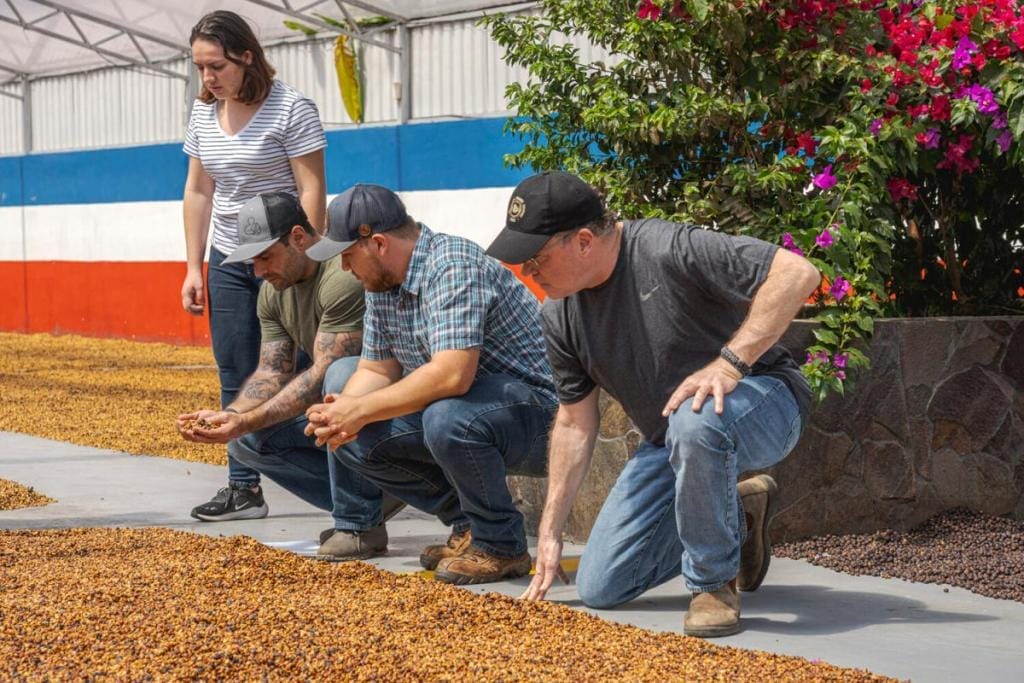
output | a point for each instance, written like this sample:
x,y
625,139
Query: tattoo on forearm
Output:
x,y
277,357
331,346
264,388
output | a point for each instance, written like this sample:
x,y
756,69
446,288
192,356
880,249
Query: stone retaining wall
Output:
x,y
938,422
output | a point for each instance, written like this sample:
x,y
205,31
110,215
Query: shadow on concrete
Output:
x,y
816,610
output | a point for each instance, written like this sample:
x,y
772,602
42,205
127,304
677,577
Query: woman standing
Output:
x,y
249,133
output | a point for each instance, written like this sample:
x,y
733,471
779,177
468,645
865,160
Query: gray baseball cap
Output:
x,y
263,220
360,211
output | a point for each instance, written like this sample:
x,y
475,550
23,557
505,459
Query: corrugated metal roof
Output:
x,y
39,37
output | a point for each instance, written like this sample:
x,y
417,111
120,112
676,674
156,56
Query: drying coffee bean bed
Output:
x,y
982,553
107,393
156,604
14,496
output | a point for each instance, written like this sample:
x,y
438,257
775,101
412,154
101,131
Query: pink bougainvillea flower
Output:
x,y
999,120
930,138
825,239
962,54
788,243
981,96
865,86
1004,140
649,10
825,180
840,288
958,157
840,374
875,127
839,360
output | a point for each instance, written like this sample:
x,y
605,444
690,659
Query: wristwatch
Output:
x,y
734,360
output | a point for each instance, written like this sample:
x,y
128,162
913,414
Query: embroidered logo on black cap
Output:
x,y
516,209
364,230
252,226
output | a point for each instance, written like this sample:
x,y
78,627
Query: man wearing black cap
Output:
x,y
453,389
318,308
662,316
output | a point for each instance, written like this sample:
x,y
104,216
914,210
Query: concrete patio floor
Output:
x,y
897,628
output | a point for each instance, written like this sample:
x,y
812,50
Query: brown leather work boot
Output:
x,y
456,543
342,545
476,566
759,495
714,614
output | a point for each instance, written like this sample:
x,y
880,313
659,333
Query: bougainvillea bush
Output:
x,y
881,140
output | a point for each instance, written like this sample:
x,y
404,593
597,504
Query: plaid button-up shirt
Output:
x,y
455,297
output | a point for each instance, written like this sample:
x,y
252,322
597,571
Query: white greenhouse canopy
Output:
x,y
47,37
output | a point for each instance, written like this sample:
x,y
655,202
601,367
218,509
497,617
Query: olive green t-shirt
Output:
x,y
331,301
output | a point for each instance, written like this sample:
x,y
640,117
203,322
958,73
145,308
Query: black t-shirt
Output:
x,y
677,294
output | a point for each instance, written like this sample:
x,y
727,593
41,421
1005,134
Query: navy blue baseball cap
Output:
x,y
360,211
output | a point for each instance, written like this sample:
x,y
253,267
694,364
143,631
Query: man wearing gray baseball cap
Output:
x,y
453,389
318,308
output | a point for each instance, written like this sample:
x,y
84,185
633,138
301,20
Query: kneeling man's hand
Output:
x,y
715,379
548,567
334,422
211,426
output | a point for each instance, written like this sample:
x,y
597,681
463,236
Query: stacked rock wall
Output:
x,y
937,423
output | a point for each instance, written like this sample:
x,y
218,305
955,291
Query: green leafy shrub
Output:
x,y
880,140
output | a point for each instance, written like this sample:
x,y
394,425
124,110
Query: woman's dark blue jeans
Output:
x,y
235,332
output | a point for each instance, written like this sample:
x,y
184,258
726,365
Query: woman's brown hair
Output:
x,y
234,36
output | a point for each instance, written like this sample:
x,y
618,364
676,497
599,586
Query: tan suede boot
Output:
x,y
342,546
759,495
476,566
433,554
714,614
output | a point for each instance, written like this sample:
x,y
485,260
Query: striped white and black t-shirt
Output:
x,y
256,159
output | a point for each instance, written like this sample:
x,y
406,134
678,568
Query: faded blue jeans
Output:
x,y
288,457
674,508
450,460
232,290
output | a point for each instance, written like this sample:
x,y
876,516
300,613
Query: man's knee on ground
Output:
x,y
597,591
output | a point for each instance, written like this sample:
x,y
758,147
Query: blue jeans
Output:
x,y
290,458
450,460
674,508
232,290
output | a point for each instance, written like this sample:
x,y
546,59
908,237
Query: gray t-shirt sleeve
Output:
x,y
572,383
724,267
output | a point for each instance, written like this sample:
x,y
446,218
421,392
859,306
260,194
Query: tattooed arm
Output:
x,y
275,370
305,389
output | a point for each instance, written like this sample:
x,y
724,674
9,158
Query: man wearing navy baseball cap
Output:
x,y
318,308
452,391
703,312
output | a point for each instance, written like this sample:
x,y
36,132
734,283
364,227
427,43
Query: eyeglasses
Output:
x,y
540,257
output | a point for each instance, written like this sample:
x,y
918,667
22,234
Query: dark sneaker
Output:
x,y
759,496
714,614
233,503
390,507
433,554
476,566
343,545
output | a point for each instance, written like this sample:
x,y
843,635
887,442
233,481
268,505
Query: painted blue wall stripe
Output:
x,y
448,155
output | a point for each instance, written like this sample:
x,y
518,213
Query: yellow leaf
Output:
x,y
348,78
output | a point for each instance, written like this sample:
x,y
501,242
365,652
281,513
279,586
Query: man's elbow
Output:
x,y
808,277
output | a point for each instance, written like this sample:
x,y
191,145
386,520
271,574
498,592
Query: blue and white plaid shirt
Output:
x,y
455,297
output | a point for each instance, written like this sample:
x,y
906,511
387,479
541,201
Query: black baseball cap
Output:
x,y
360,211
542,205
263,220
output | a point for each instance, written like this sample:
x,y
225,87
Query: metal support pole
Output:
x,y
404,75
26,114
